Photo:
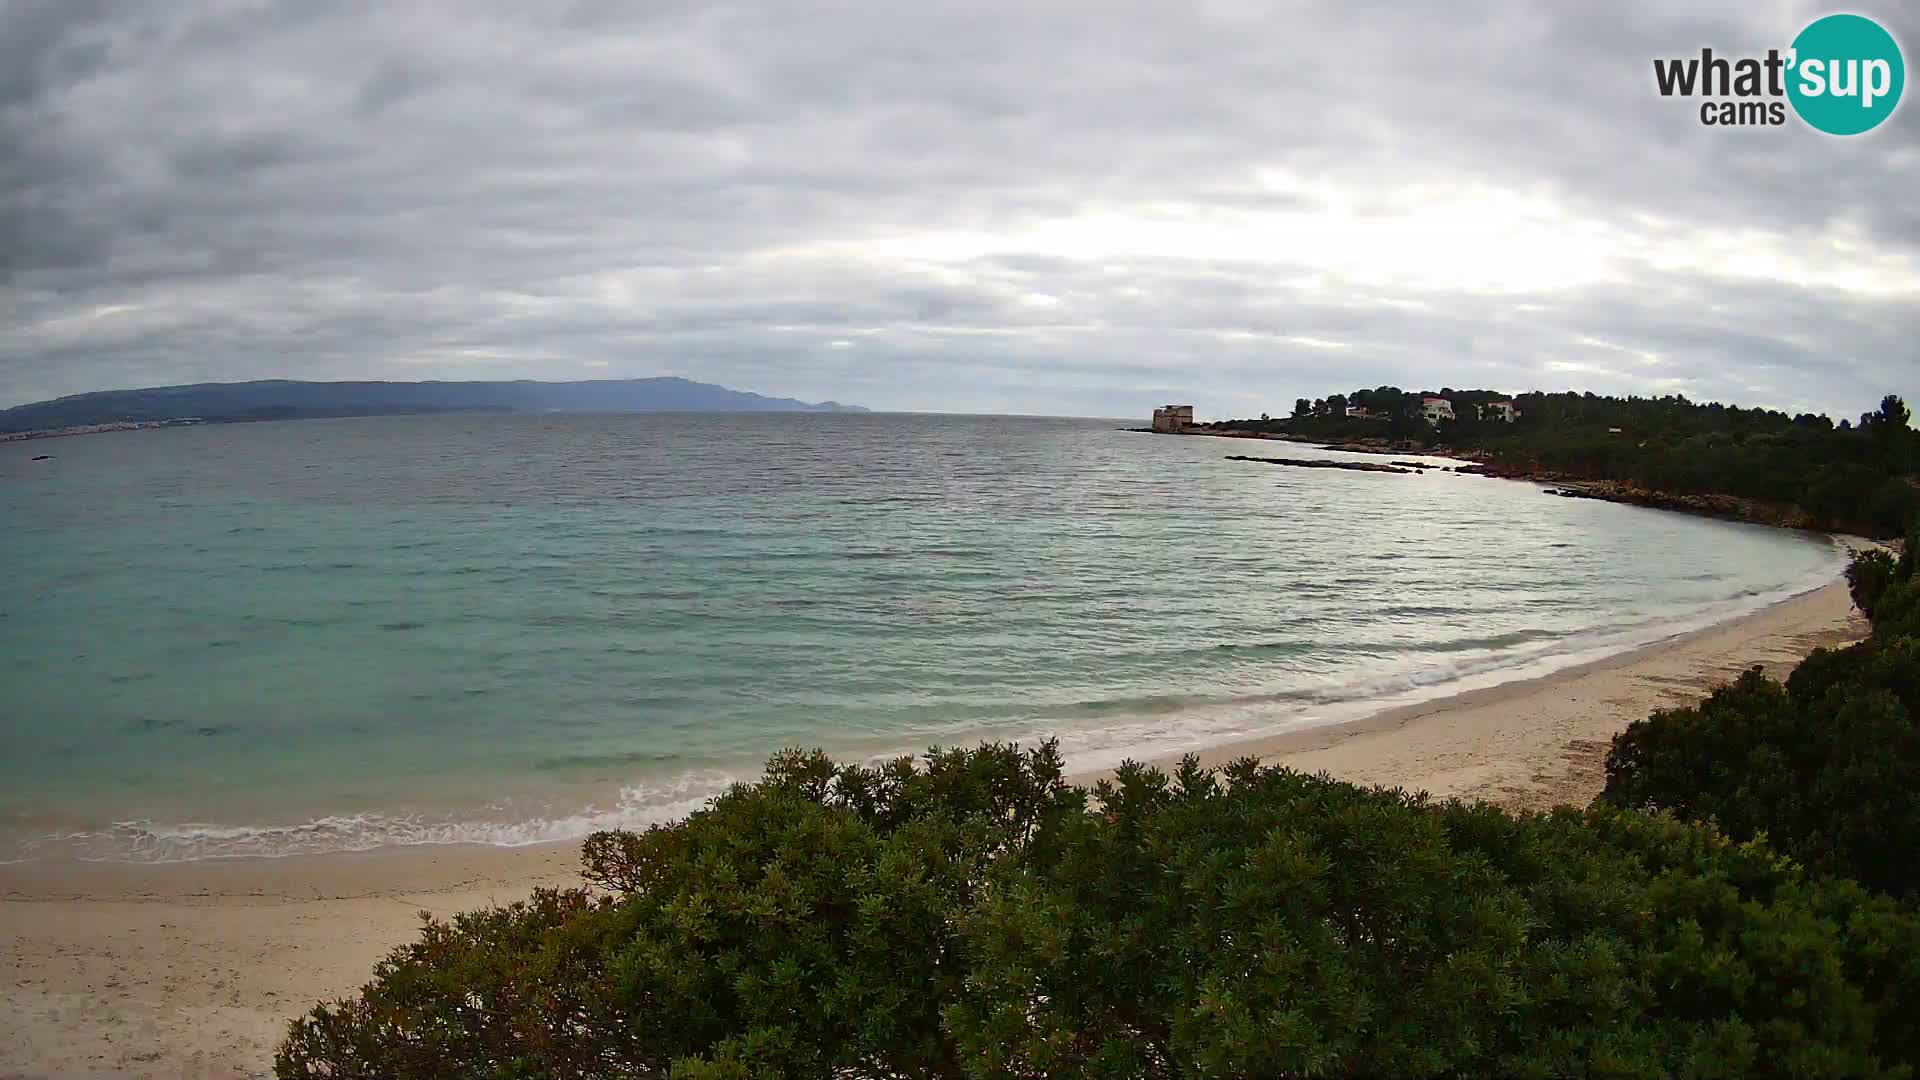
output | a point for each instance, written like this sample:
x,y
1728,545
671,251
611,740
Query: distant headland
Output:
x,y
1760,465
284,399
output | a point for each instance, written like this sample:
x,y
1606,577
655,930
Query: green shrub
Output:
x,y
973,917
1796,468
1868,576
1896,612
1825,767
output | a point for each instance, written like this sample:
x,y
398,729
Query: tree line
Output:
x,y
1847,476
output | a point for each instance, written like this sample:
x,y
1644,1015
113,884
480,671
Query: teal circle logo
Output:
x,y
1845,74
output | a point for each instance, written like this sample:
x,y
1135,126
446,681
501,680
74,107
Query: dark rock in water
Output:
x,y
1732,507
397,626
1319,463
42,457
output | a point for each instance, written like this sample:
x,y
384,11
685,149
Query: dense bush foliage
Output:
x,y
1826,767
1851,477
1870,574
973,917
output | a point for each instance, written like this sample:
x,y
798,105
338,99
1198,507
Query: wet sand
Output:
x,y
194,969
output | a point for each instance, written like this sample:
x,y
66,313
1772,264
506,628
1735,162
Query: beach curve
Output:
x,y
194,969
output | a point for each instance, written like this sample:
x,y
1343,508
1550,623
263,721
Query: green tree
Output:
x,y
1892,416
1825,766
974,916
1869,574
1794,470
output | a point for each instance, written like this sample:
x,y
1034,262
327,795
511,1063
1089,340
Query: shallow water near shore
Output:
x,y
333,635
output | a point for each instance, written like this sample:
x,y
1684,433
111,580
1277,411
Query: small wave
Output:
x,y
1294,646
622,758
144,841
1095,733
1102,733
1465,644
1420,610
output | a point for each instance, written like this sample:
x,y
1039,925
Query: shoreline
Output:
x,y
1716,506
193,969
1489,743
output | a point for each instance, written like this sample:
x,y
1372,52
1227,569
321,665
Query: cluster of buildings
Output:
x,y
1435,409
89,429
1173,419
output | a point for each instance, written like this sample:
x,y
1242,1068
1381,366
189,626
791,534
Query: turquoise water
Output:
x,y
280,638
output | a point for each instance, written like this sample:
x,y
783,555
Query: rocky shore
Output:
x,y
1322,463
1730,507
1565,485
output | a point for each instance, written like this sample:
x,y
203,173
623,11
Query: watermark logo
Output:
x,y
1843,75
1850,74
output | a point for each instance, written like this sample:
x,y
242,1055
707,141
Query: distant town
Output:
x,y
89,429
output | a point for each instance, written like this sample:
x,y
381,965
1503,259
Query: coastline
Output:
x,y
193,969
1568,485
1535,743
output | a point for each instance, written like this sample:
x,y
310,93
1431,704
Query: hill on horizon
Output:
x,y
289,399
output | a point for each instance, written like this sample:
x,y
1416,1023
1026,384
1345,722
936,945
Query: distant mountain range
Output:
x,y
281,399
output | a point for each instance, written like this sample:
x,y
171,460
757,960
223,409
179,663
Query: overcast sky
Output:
x,y
1037,206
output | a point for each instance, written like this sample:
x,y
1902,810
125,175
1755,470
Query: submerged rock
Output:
x,y
1321,463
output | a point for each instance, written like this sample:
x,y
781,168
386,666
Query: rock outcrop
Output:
x,y
1322,463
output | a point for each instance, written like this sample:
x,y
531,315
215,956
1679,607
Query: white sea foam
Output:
x,y
638,806
1203,723
1087,745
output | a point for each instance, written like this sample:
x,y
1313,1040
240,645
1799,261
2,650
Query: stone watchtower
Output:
x,y
1173,419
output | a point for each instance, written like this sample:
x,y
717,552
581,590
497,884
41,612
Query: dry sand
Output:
x,y
1538,743
193,970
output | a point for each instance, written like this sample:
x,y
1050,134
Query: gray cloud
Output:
x,y
1070,207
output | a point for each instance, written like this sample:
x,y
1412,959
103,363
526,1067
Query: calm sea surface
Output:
x,y
292,637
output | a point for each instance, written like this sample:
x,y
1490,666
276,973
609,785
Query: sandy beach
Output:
x,y
194,969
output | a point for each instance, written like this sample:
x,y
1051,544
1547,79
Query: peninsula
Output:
x,y
1802,471
284,399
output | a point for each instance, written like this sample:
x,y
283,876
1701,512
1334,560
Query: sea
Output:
x,y
276,639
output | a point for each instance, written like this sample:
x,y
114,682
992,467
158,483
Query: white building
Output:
x,y
1499,410
1436,409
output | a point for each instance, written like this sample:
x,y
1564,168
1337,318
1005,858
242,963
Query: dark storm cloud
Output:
x,y
1065,207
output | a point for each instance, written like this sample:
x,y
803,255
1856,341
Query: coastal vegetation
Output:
x,y
1801,469
1825,766
972,914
